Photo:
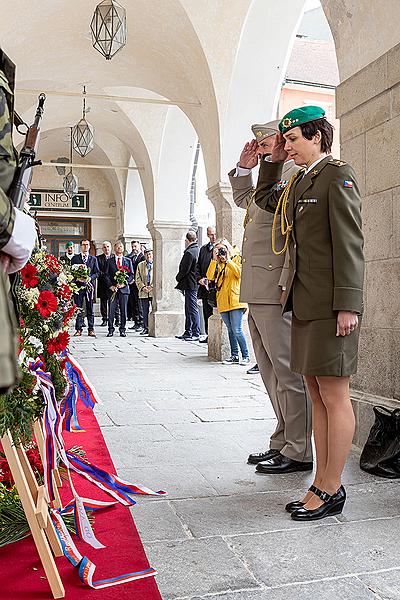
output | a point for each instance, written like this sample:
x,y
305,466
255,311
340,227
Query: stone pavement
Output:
x,y
175,421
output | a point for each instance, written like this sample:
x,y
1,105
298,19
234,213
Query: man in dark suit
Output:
x,y
134,305
187,283
102,288
205,256
118,295
86,293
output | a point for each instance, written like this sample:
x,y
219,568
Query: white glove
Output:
x,y
21,243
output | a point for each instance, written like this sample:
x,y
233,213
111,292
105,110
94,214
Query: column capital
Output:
x,y
221,195
171,230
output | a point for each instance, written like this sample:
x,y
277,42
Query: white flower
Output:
x,y
31,297
36,343
62,279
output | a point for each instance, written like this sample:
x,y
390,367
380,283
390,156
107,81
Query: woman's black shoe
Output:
x,y
292,506
332,505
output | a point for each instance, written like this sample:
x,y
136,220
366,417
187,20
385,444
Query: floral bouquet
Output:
x,y
81,276
121,279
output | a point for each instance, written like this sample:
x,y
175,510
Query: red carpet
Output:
x,y
114,527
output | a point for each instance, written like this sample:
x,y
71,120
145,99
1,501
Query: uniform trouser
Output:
x,y
270,334
134,305
87,298
120,301
207,312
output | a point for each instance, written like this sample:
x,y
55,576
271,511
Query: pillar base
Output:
x,y
166,324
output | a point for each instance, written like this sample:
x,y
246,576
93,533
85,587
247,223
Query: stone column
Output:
x,y
167,318
368,104
229,225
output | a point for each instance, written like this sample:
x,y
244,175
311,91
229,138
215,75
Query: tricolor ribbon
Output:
x,y
86,567
79,388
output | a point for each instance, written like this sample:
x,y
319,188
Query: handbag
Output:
x,y
381,453
212,296
214,287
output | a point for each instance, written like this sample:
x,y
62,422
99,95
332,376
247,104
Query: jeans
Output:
x,y
233,320
192,317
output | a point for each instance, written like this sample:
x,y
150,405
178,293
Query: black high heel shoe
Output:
x,y
292,506
332,505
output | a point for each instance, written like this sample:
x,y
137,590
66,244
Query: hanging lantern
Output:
x,y
70,181
83,133
108,28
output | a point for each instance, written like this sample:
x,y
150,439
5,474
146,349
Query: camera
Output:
x,y
222,252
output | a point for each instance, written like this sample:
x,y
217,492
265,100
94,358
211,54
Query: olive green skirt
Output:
x,y
316,350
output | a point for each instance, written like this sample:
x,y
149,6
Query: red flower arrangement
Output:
x,y
59,343
64,292
29,276
69,314
46,304
53,264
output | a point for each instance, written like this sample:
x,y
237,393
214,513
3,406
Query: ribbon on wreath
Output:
x,y
79,388
85,566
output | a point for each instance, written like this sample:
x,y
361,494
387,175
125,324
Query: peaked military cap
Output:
x,y
263,131
298,116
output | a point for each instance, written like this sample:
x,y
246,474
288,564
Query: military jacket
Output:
x,y
326,262
262,272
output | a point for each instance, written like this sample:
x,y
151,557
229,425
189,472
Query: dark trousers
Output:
x,y
104,309
120,301
145,306
207,312
135,306
80,299
192,317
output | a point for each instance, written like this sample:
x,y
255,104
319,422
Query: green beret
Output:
x,y
69,244
298,116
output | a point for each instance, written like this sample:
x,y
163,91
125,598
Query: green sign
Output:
x,y
54,200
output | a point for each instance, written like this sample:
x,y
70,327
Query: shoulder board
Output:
x,y
337,163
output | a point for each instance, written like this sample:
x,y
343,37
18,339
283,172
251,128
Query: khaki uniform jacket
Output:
x,y
262,271
141,279
326,265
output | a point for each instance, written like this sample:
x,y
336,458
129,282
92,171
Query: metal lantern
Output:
x,y
70,181
83,133
108,28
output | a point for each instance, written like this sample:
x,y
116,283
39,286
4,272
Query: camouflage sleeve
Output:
x,y
7,167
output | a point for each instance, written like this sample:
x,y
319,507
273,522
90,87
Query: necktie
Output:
x,y
119,262
84,257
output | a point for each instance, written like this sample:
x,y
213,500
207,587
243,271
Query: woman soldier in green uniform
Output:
x,y
320,213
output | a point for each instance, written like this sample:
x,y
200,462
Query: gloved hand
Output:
x,y
19,247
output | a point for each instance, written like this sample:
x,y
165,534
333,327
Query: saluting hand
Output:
x,y
279,153
249,156
347,322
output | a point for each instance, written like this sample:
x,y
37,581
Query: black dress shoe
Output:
x,y
122,334
283,464
184,336
255,458
253,370
110,334
204,340
103,323
332,505
292,506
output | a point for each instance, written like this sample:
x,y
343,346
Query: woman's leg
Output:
x,y
226,317
320,430
334,392
236,322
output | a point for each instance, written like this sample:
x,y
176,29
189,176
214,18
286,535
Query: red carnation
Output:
x,y
47,303
69,314
59,343
65,292
52,264
29,276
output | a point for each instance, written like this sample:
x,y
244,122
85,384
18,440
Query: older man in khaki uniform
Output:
x,y
263,280
17,230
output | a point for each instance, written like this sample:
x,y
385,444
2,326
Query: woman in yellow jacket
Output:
x,y
224,271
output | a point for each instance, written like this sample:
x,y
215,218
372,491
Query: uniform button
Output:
x,y
243,260
245,239
270,266
250,220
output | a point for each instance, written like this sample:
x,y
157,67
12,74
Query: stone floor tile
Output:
x,y
318,551
372,501
219,429
177,481
157,521
122,414
197,567
231,515
338,589
182,403
385,586
231,414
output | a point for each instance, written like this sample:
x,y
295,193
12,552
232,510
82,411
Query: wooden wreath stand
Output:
x,y
36,506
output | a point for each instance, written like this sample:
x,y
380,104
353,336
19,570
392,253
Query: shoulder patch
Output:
x,y
337,163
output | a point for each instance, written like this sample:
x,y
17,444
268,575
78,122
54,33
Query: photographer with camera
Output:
x,y
224,271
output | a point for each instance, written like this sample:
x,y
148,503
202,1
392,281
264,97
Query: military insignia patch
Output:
x,y
347,184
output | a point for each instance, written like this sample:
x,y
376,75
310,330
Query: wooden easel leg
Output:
x,y
28,504
34,488
57,482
